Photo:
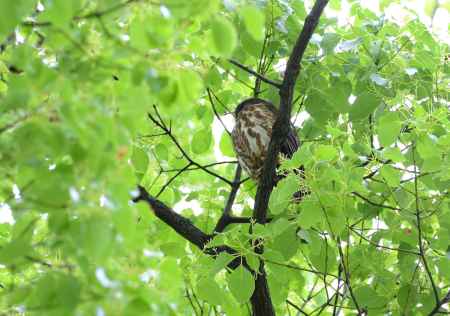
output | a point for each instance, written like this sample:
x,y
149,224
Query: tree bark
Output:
x,y
261,300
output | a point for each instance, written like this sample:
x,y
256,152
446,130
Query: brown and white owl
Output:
x,y
252,132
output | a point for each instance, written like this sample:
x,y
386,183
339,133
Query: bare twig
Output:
x,y
158,121
164,187
436,309
215,111
347,277
226,219
374,203
254,73
90,15
381,246
296,307
213,164
188,296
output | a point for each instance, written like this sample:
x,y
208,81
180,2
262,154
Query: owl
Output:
x,y
252,132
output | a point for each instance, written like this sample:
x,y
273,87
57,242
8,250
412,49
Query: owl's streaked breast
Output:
x,y
251,137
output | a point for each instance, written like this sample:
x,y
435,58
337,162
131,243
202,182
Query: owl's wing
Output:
x,y
291,144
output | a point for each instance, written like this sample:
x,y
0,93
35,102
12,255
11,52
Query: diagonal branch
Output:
x,y
226,218
362,197
254,73
439,304
215,111
179,223
185,228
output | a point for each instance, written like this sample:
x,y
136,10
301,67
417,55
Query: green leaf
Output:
x,y
391,175
241,284
329,42
326,153
138,34
139,159
364,105
221,261
208,290
224,36
393,154
201,141
136,307
226,145
406,297
253,261
254,21
310,214
338,95
174,249
282,194
319,106
426,147
11,13
325,259
191,85
61,13
369,298
388,128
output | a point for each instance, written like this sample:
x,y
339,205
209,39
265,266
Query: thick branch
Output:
x,y
281,126
261,301
179,223
185,228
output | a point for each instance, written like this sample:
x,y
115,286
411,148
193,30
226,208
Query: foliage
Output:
x,y
77,79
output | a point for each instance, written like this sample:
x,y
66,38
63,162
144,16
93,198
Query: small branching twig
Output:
x,y
215,111
158,121
164,187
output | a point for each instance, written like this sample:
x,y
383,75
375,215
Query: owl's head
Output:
x,y
253,101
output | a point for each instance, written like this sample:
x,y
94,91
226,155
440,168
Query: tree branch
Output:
x,y
216,113
185,228
90,15
261,301
254,73
281,126
419,228
374,203
226,218
347,277
158,121
438,306
177,222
